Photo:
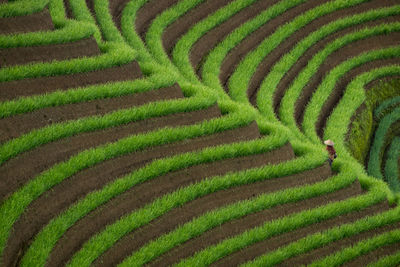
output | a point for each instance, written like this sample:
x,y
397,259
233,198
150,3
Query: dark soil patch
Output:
x,y
148,12
68,10
209,40
252,41
240,225
116,7
333,247
61,196
34,86
374,255
255,250
15,126
101,174
23,55
179,27
264,67
40,21
173,180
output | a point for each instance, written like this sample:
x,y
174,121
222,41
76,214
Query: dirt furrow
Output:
x,y
179,27
23,55
264,67
273,243
333,247
209,40
148,12
74,238
41,158
15,126
116,7
40,21
252,41
34,86
169,221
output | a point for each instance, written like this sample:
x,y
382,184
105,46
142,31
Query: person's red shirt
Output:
x,y
331,150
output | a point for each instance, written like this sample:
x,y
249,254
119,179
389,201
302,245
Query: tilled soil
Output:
x,y
40,85
40,21
24,55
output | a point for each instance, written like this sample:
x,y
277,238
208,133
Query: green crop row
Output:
x,y
211,67
239,80
21,8
106,24
392,175
269,84
282,225
360,248
387,261
13,207
376,152
325,88
217,217
320,239
385,107
181,51
53,231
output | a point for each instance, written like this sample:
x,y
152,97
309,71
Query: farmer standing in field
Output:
x,y
332,153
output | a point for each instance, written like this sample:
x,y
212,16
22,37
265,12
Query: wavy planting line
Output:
x,y
385,106
354,96
327,85
54,230
285,224
211,67
271,81
387,261
106,24
324,238
363,247
180,53
14,206
217,217
375,155
238,82
392,175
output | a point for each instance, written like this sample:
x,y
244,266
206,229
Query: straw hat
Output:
x,y
328,142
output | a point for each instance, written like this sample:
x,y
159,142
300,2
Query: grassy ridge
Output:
x,y
392,175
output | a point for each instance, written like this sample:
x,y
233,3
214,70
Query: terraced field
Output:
x,y
190,133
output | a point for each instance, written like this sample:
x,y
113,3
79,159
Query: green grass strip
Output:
x,y
392,175
82,13
82,94
282,225
116,54
361,248
387,261
180,54
217,217
21,8
376,152
386,106
46,239
323,238
211,67
354,96
105,21
15,205
270,83
238,82
325,88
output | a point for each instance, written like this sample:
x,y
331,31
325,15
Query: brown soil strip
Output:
x,y
61,196
238,226
333,247
116,7
252,41
374,255
148,12
174,31
209,40
34,86
23,55
14,176
339,56
94,178
15,126
284,239
264,67
171,181
68,10
40,21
